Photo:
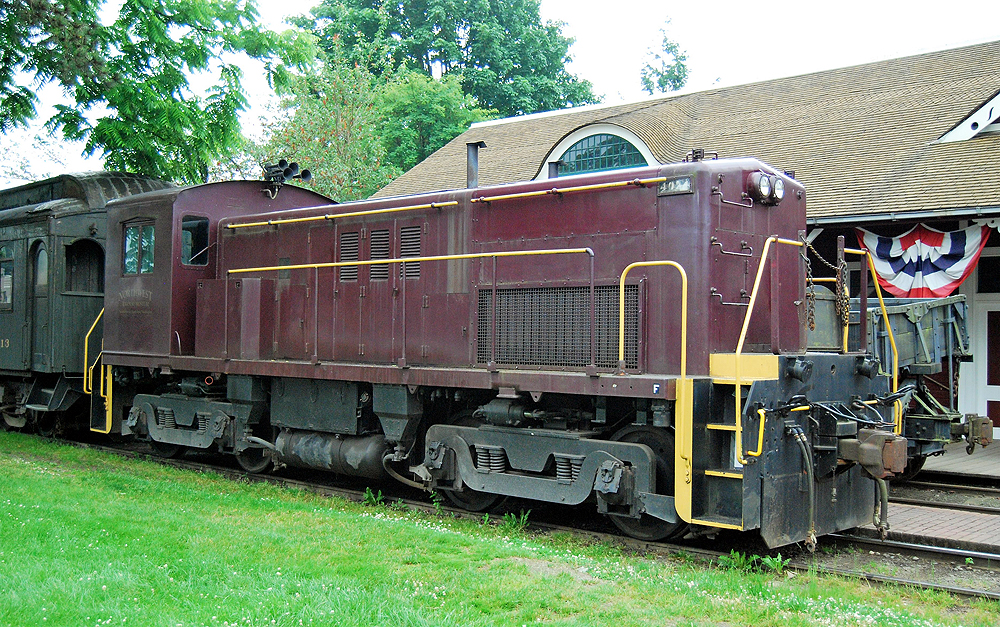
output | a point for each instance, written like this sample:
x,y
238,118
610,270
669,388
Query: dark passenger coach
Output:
x,y
52,236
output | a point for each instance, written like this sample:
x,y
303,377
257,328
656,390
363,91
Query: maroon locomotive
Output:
x,y
568,340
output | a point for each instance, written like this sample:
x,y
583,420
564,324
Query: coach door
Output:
x,y
40,339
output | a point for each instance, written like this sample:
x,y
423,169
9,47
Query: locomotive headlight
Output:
x,y
759,186
764,186
777,190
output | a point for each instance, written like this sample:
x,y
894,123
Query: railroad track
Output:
x,y
962,507
804,562
953,486
954,481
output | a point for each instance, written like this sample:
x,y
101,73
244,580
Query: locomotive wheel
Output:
x,y
662,443
46,423
162,449
254,460
913,466
469,499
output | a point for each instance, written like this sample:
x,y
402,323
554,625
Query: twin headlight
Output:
x,y
766,188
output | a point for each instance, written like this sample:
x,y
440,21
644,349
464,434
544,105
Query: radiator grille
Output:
x,y
380,250
348,252
550,326
409,246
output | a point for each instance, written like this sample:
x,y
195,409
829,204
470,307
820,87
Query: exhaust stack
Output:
x,y
472,163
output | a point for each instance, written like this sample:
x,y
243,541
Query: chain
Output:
x,y
820,257
810,287
843,299
843,302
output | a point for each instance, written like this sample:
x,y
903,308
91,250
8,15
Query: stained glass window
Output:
x,y
602,151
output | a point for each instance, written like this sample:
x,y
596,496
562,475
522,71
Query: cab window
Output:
x,y
6,278
194,241
139,240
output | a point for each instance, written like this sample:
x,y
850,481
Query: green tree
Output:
x,y
665,70
503,54
420,115
332,127
129,81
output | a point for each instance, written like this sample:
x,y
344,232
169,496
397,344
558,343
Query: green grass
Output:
x,y
94,539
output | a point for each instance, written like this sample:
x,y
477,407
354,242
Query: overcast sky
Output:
x,y
727,42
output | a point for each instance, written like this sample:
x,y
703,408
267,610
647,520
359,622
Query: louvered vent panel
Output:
x,y
348,252
550,326
409,246
380,250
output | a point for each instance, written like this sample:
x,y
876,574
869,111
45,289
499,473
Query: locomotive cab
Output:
x,y
163,297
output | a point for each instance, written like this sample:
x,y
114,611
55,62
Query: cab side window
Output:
x,y
6,278
194,241
138,254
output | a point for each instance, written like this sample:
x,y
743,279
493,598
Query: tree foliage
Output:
x,y
666,69
333,128
129,82
501,52
420,115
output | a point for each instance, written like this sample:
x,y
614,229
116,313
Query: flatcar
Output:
x,y
632,339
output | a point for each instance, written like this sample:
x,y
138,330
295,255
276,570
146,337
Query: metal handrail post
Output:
x,y
897,413
739,348
683,402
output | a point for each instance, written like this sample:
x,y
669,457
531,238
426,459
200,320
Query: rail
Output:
x,y
555,191
88,368
404,260
683,401
338,216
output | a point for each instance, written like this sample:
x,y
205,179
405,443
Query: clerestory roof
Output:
x,y
863,139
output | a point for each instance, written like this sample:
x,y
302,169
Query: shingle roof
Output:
x,y
861,139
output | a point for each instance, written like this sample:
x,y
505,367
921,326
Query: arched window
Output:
x,y
602,151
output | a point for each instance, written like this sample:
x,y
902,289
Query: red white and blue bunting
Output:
x,y
924,263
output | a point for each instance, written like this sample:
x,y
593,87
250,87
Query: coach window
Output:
x,y
85,267
194,241
139,240
6,278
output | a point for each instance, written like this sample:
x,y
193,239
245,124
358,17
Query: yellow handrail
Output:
x,y
739,350
336,216
88,381
897,407
375,262
567,190
683,402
